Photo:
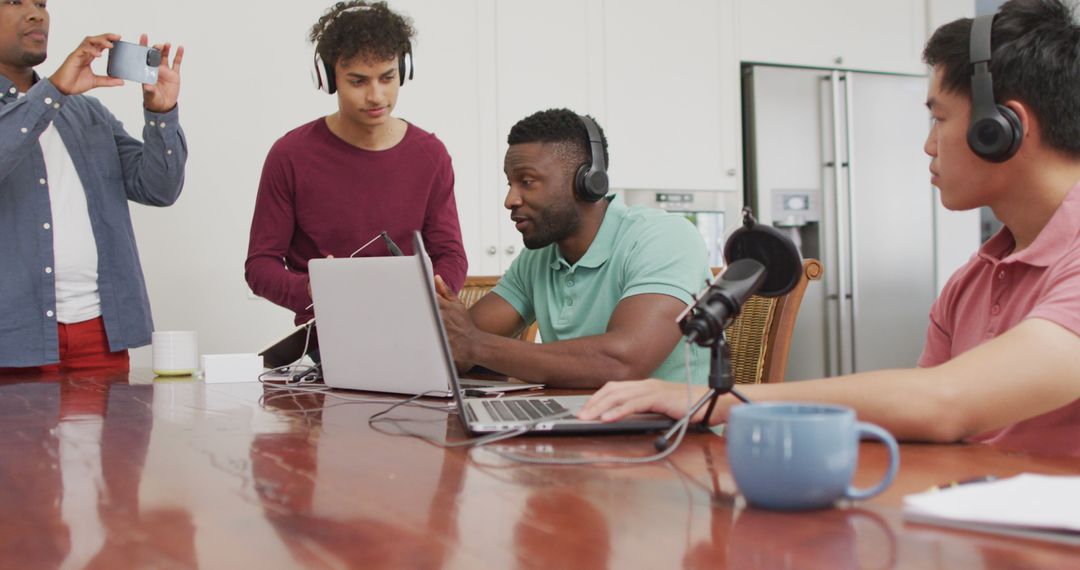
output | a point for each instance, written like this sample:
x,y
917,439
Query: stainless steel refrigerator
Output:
x,y
835,158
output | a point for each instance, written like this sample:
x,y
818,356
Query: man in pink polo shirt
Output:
x,y
1002,357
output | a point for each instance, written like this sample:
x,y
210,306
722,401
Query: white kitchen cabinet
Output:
x,y
481,66
872,35
541,62
446,98
662,79
498,61
672,92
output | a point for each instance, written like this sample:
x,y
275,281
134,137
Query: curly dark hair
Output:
x,y
370,30
1035,58
559,126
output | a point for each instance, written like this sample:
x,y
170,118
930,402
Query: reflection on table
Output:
x,y
124,471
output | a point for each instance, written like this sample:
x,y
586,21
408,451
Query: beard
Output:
x,y
558,222
33,59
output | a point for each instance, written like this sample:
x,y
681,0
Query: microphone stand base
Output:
x,y
721,382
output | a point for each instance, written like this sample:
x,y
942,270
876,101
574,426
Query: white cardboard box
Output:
x,y
224,368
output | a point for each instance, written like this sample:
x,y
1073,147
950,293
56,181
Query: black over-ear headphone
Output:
x,y
995,132
591,180
326,78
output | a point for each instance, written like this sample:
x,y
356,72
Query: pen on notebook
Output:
x,y
951,484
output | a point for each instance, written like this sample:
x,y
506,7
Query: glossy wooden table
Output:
x,y
119,472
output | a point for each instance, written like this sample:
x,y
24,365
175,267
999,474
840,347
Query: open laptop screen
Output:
x,y
379,324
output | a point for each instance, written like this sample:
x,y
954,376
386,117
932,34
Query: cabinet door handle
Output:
x,y
510,250
491,250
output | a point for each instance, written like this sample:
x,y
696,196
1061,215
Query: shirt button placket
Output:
x,y
1000,291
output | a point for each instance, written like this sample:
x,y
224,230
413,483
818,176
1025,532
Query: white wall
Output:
x,y
246,81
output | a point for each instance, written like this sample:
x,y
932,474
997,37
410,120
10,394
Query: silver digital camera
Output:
x,y
134,62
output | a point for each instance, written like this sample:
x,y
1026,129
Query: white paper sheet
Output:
x,y
1025,502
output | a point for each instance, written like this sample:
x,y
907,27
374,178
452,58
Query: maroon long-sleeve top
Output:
x,y
320,196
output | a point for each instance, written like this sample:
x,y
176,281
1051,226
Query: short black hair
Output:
x,y
370,30
1035,59
558,126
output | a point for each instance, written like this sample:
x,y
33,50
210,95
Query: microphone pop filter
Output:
x,y
770,247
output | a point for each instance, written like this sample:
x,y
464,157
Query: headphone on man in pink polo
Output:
x,y
995,132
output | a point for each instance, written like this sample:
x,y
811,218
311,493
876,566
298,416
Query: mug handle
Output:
x,y
871,431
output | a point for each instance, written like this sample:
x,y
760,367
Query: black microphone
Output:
x,y
761,260
722,301
394,249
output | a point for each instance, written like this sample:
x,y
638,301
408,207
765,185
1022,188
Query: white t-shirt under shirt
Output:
x,y
74,247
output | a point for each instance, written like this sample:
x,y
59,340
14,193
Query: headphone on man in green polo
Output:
x,y
591,179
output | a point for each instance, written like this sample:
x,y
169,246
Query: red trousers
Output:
x,y
83,346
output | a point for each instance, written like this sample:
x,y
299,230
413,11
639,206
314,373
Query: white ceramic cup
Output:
x,y
176,353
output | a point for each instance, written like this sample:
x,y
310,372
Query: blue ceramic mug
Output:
x,y
797,456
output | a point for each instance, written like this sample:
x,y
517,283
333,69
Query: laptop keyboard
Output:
x,y
521,410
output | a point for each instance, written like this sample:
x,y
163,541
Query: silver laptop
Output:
x,y
374,334
486,415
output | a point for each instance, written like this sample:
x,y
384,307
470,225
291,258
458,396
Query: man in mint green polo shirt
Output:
x,y
604,282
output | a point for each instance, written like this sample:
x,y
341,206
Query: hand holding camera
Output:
x,y
161,97
136,62
75,76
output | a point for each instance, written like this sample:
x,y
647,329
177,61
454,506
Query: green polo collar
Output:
x,y
604,243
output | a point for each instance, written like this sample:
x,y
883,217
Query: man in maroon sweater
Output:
x,y
330,186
